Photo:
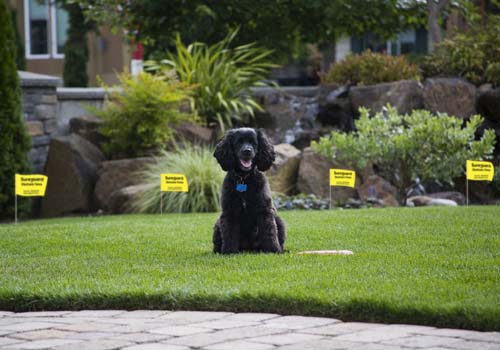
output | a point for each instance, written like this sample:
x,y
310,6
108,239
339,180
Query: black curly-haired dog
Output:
x,y
248,221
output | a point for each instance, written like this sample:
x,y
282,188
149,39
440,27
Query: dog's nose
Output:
x,y
247,151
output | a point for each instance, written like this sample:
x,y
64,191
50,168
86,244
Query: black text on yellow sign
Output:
x,y
342,177
480,170
31,185
174,183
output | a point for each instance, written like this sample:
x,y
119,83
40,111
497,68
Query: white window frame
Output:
x,y
52,35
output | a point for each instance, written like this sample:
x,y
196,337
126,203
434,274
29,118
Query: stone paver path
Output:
x,y
181,330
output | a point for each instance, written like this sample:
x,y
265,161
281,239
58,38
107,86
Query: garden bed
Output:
x,y
430,266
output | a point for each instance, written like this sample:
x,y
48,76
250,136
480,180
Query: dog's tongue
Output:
x,y
246,163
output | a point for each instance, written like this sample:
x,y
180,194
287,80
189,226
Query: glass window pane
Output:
x,y
62,25
39,28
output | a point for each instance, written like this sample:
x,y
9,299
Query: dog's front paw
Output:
x,y
270,247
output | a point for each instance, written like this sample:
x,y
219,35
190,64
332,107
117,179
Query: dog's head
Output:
x,y
244,149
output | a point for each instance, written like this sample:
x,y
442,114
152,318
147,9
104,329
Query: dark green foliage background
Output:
x,y
14,142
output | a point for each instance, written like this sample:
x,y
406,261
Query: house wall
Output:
x,y
108,54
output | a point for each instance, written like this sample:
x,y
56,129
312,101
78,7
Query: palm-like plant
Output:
x,y
223,76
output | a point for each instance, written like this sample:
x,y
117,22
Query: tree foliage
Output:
x,y
274,24
410,146
14,142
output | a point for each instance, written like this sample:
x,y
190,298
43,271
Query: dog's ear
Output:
x,y
224,153
266,155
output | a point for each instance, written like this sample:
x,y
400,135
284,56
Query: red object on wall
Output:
x,y
138,52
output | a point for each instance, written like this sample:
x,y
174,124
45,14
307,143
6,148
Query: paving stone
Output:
x,y
483,336
100,344
136,328
90,335
5,313
341,328
285,338
250,317
42,334
96,313
143,314
374,346
43,344
472,345
203,339
375,335
156,346
322,344
412,328
180,330
85,327
298,322
420,341
239,345
223,324
141,337
248,332
27,326
8,341
194,316
37,314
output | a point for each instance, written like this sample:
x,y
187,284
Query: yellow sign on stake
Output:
x,y
342,177
31,185
174,183
480,170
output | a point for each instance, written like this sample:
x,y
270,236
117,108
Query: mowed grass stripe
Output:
x,y
432,266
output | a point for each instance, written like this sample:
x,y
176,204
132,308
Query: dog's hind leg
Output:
x,y
217,238
281,231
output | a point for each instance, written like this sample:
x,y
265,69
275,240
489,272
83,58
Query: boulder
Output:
x,y
120,200
193,133
420,201
283,174
405,95
378,190
454,96
87,126
314,173
455,196
488,104
334,107
114,175
72,165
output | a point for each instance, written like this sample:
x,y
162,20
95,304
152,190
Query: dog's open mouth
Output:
x,y
246,164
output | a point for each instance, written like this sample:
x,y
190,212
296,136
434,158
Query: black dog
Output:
x,y
248,221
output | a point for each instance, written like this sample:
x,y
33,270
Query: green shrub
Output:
x,y
223,77
14,142
473,55
370,68
139,116
405,147
203,174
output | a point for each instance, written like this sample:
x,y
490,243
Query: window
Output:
x,y
409,42
46,24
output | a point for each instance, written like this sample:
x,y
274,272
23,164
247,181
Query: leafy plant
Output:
x,y
405,147
222,75
14,142
140,114
473,54
370,68
203,174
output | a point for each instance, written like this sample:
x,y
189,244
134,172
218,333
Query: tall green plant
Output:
x,y
405,147
14,142
140,114
223,76
203,174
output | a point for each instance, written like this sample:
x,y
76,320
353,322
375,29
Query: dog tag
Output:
x,y
241,187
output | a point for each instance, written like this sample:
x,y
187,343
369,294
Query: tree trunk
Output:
x,y
434,9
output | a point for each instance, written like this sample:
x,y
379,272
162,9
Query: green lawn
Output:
x,y
434,266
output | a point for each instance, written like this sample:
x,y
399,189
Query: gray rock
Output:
x,y
34,128
334,107
404,95
194,133
488,104
375,189
454,96
72,169
114,175
120,200
87,126
284,172
455,196
420,201
314,173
